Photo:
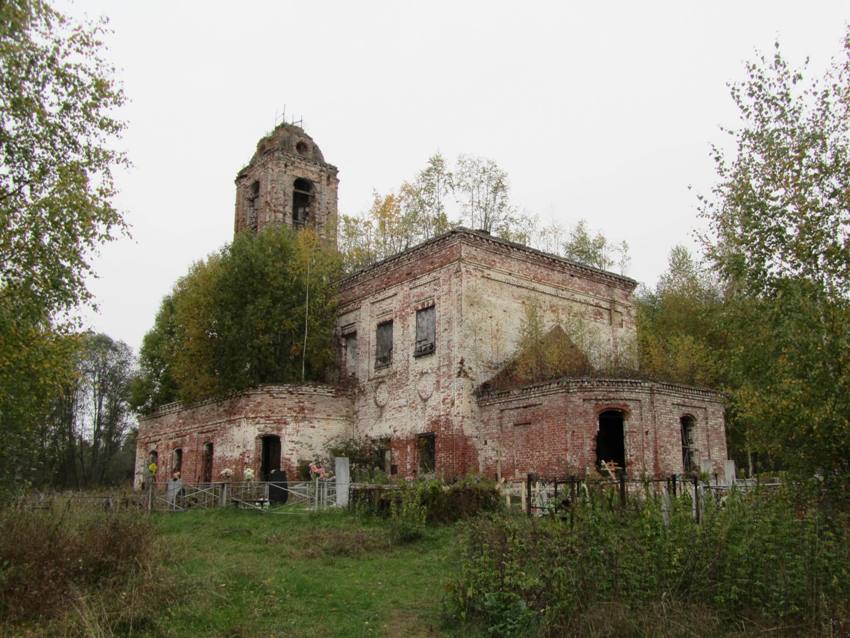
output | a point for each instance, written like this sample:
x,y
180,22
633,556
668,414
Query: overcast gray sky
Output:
x,y
604,111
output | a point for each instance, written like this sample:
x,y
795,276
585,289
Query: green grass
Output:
x,y
240,574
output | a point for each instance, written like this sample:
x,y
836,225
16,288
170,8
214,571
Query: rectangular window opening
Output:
x,y
350,353
384,344
426,331
426,448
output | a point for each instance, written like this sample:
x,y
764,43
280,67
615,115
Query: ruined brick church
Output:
x,y
422,337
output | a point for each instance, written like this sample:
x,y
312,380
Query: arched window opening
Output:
x,y
610,441
253,205
208,463
302,195
688,450
177,460
270,461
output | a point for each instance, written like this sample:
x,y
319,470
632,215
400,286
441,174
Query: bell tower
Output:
x,y
288,182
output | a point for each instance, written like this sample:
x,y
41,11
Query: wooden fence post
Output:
x,y
622,489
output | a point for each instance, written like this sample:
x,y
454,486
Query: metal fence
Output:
x,y
262,496
541,496
293,496
534,495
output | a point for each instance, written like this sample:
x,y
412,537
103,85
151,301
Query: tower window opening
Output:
x,y
302,147
253,205
610,440
302,196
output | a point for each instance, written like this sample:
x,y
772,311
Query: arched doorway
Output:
x,y
610,439
270,456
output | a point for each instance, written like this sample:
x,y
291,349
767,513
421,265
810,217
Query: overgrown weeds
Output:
x,y
78,573
407,516
443,502
755,562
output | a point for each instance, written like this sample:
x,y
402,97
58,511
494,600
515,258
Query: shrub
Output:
x,y
754,558
462,499
407,516
373,500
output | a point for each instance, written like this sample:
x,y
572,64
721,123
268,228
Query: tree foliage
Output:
x,y
474,193
781,207
57,128
780,221
88,439
57,104
594,250
261,310
398,220
771,325
482,189
680,331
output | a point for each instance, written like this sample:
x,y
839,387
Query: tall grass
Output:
x,y
83,573
756,562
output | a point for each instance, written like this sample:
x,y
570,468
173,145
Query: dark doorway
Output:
x,y
271,457
610,441
208,463
688,464
302,194
177,465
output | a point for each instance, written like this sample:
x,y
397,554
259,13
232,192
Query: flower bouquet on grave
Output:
x,y
317,471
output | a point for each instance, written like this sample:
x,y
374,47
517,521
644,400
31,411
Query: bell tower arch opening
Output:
x,y
302,198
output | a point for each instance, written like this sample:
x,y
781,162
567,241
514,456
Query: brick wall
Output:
x,y
596,309
550,429
413,394
479,287
275,166
305,417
